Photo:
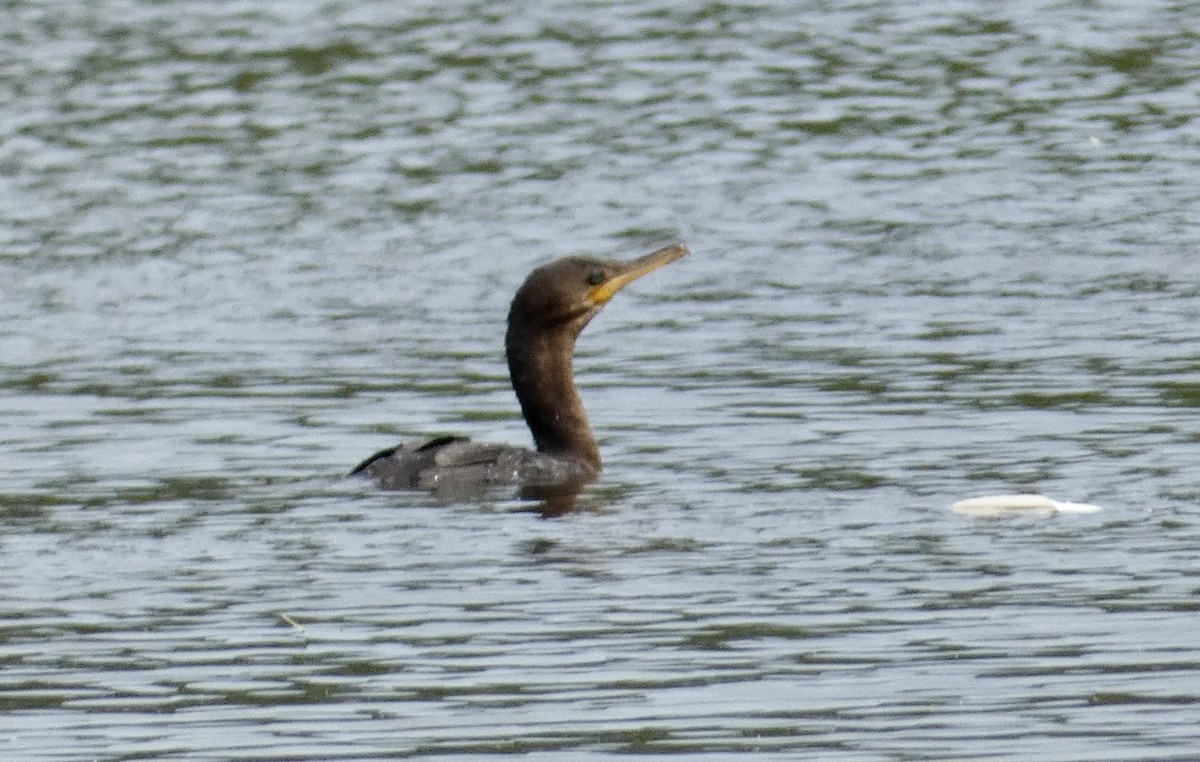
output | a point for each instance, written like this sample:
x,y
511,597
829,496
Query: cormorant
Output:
x,y
547,315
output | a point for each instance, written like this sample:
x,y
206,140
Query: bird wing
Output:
x,y
464,452
447,461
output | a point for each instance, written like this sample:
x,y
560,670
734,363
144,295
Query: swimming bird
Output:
x,y
547,314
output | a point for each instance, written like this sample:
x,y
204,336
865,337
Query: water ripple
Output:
x,y
939,250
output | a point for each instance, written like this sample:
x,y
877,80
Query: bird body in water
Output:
x,y
548,312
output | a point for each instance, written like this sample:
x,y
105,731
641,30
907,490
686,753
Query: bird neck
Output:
x,y
540,365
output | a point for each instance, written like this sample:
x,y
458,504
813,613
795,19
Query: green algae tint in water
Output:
x,y
939,250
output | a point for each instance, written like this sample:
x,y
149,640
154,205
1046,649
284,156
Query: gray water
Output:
x,y
940,249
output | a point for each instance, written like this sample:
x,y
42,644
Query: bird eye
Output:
x,y
595,278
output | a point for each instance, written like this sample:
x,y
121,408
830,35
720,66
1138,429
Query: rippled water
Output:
x,y
939,249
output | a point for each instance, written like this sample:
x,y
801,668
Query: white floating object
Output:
x,y
999,505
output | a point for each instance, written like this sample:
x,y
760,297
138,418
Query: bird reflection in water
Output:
x,y
547,315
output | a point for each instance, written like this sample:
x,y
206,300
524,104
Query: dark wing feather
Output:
x,y
452,465
401,467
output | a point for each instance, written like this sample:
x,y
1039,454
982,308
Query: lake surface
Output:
x,y
940,249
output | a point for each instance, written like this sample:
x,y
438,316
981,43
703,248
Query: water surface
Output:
x,y
939,250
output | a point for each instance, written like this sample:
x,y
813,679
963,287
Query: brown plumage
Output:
x,y
548,312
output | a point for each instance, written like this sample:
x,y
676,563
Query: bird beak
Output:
x,y
631,271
